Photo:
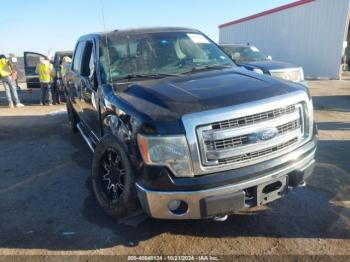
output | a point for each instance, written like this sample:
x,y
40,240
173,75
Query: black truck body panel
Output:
x,y
160,103
166,100
156,107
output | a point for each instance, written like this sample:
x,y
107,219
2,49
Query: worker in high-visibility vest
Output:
x,y
66,64
58,87
6,74
46,73
66,60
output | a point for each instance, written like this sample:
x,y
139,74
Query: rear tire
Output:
x,y
113,178
72,117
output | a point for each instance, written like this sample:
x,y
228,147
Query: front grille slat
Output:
x,y
253,119
243,140
256,154
288,127
234,141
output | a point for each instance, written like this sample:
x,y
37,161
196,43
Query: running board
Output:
x,y
87,139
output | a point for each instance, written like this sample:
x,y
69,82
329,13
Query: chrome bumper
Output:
x,y
155,203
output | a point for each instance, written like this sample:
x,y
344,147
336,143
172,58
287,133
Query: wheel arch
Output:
x,y
112,124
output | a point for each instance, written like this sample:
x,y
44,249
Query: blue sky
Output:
x,y
40,25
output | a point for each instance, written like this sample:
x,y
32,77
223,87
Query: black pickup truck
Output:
x,y
177,129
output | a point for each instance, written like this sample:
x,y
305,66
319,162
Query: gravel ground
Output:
x,y
47,206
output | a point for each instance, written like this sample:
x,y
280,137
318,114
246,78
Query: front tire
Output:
x,y
113,178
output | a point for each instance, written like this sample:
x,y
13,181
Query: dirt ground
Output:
x,y
47,206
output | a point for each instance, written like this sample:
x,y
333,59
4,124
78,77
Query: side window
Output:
x,y
92,65
88,64
32,59
85,70
78,54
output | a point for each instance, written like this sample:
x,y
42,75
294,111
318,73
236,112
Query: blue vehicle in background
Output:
x,y
253,59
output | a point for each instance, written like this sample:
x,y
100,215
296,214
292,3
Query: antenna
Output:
x,y
107,46
103,15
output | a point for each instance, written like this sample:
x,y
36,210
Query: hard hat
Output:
x,y
66,59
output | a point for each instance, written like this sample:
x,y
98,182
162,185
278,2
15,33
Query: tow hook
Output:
x,y
220,218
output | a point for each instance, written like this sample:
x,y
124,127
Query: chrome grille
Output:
x,y
242,140
282,129
227,143
200,132
256,154
294,74
238,140
253,119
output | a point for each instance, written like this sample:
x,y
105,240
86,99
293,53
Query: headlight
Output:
x,y
169,151
258,70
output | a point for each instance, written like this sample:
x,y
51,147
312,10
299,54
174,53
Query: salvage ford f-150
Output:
x,y
178,129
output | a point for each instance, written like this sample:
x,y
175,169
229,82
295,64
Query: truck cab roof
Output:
x,y
144,30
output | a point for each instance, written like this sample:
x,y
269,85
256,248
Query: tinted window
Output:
x,y
59,57
85,69
78,57
32,59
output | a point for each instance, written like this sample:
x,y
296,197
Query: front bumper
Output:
x,y
225,199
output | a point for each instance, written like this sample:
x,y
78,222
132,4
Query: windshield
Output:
x,y
244,53
169,53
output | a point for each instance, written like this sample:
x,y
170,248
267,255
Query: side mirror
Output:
x,y
269,58
233,57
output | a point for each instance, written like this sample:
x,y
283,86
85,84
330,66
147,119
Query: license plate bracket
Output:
x,y
271,190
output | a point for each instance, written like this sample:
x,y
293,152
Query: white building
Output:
x,y
309,33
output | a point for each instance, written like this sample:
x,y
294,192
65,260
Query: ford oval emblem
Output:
x,y
267,134
263,135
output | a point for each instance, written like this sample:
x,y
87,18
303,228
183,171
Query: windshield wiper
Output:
x,y
207,67
155,76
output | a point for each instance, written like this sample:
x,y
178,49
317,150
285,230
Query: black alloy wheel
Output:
x,y
112,174
113,178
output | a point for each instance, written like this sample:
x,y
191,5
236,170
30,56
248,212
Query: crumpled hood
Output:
x,y
168,99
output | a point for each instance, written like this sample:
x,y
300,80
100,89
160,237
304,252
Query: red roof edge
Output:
x,y
274,10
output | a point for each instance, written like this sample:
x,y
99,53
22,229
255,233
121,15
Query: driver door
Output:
x,y
89,101
31,59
